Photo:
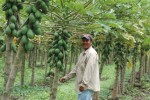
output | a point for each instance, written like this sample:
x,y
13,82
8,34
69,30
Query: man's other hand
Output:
x,y
81,88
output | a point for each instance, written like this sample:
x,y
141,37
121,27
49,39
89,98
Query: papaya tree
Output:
x,y
24,32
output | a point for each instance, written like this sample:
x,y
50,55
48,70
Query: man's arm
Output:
x,y
68,76
71,74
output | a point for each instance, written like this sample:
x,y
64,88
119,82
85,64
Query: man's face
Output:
x,y
86,43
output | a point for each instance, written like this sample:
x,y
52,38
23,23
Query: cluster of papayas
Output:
x,y
42,5
32,27
59,48
11,8
106,50
119,52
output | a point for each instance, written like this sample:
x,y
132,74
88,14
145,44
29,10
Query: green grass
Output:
x,y
66,90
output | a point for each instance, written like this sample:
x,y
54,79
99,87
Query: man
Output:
x,y
86,71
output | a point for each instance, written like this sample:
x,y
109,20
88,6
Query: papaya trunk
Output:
x,y
8,59
70,62
146,64
30,59
123,74
33,66
13,73
51,82
65,64
54,86
141,66
101,69
38,55
46,67
143,63
42,57
116,85
22,69
123,78
133,73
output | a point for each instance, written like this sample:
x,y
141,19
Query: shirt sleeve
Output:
x,y
71,74
73,71
91,64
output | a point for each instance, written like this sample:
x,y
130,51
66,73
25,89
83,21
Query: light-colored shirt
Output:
x,y
86,71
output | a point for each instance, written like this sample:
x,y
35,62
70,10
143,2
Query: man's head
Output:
x,y
86,41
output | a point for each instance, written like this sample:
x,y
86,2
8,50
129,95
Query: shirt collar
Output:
x,y
84,52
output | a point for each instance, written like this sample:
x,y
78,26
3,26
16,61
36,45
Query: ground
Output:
x,y
66,90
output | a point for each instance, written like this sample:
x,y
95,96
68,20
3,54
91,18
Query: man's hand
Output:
x,y
81,88
62,80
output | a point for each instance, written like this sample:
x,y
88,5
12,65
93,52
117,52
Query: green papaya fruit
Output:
x,y
19,1
56,35
13,19
30,34
47,2
24,39
59,64
14,33
29,46
8,30
12,26
19,34
10,12
44,7
36,25
8,5
32,18
51,51
57,51
60,42
56,59
60,55
51,63
38,15
38,31
24,30
34,9
38,4
14,8
3,48
29,9
13,47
